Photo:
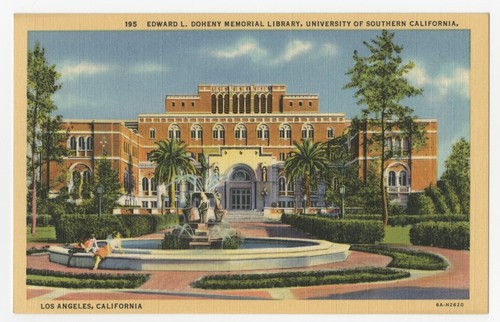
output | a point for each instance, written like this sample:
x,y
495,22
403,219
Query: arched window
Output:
x,y
145,186
81,143
220,104
269,103
403,179
214,104
90,143
235,103
218,132
242,104
285,131
240,132
256,103
263,131
391,178
404,144
291,186
282,185
263,104
307,131
152,133
330,133
241,175
248,105
72,143
388,143
174,132
153,186
226,104
86,176
196,132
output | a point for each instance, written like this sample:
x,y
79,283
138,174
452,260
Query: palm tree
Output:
x,y
172,160
307,160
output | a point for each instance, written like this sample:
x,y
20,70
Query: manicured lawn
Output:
x,y
397,235
43,235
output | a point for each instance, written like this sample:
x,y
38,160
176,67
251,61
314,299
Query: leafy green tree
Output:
x,y
382,86
107,178
420,204
42,84
450,197
438,199
307,159
457,173
172,160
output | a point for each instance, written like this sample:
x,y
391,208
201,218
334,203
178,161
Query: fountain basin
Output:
x,y
255,254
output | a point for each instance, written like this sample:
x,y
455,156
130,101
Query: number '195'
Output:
x,y
130,24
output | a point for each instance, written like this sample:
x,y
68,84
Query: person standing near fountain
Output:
x,y
203,208
112,243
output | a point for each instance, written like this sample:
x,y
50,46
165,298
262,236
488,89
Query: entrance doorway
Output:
x,y
241,199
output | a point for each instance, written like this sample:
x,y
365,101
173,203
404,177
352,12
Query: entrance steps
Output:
x,y
245,216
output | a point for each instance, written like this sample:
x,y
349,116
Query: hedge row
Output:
x,y
41,220
405,258
72,228
452,235
294,279
70,280
404,220
339,231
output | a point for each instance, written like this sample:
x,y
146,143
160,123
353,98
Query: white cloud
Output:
x,y
295,49
84,68
454,81
457,82
418,76
148,68
243,48
329,49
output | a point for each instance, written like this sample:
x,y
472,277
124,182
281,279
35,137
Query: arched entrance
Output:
x,y
240,189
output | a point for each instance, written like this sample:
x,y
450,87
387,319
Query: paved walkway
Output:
x,y
449,284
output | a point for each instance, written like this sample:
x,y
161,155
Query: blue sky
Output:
x,y
117,75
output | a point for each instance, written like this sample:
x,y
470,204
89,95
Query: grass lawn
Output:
x,y
43,235
397,235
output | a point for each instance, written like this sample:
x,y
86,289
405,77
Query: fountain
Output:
x,y
254,253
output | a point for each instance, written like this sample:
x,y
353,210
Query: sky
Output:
x,y
120,74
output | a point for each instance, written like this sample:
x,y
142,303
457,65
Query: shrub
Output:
x,y
405,258
420,204
404,220
339,231
70,280
363,216
304,278
41,220
174,241
72,228
452,235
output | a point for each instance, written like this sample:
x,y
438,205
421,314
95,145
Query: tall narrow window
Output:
x,y
220,104
145,186
72,143
391,179
90,143
330,133
214,104
263,104
81,143
235,103
403,180
282,185
152,133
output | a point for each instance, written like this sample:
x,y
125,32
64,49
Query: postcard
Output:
x,y
251,163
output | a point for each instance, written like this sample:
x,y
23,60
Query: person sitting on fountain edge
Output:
x,y
113,242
